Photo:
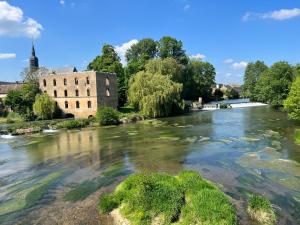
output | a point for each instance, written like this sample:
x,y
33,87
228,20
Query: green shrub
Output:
x,y
72,124
260,210
44,106
107,116
185,199
13,117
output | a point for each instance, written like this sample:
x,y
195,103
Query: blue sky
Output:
x,y
228,33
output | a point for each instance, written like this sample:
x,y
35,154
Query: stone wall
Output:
x,y
86,91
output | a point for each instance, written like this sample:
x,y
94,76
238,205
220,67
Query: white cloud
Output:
x,y
14,24
239,65
62,2
228,61
282,14
228,75
197,56
186,7
121,49
7,55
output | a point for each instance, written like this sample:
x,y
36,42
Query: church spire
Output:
x,y
33,61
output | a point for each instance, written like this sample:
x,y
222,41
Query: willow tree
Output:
x,y
292,103
44,107
155,95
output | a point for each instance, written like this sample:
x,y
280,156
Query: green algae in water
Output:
x,y
169,138
30,196
86,188
297,137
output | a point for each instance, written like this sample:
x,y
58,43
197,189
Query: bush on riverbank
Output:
x,y
107,116
13,117
73,124
163,199
260,210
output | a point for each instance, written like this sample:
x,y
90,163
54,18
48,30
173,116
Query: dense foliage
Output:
x,y
184,199
21,100
44,106
107,116
269,85
252,75
232,94
156,95
198,80
292,103
109,61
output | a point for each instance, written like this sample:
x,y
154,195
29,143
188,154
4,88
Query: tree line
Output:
x,y
158,76
278,85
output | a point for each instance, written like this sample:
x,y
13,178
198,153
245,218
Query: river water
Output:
x,y
56,178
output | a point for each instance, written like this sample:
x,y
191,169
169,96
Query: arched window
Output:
x,y
76,81
87,80
107,93
89,104
66,105
45,83
106,81
54,82
65,81
55,94
56,104
77,93
88,93
77,104
66,93
45,92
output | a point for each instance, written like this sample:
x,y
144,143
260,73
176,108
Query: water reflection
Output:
x,y
241,149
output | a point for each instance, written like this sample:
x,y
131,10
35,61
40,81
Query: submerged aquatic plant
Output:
x,y
260,210
297,136
163,199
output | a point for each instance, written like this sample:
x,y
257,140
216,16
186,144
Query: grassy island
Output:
x,y
260,210
158,198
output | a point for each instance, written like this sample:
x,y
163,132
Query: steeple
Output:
x,y
33,61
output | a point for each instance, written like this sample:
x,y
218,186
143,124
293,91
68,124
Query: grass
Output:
x,y
73,124
297,136
260,210
163,199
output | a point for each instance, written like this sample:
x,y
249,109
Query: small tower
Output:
x,y
33,61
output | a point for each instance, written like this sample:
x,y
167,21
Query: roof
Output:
x,y
71,69
5,87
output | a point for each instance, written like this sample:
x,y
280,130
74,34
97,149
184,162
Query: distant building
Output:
x,y
80,94
33,61
5,87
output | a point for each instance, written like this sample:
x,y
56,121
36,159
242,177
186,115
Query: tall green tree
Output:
x,y
167,66
198,81
155,95
252,75
44,106
292,103
110,62
274,85
169,47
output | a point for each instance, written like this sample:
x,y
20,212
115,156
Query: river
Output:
x,y
56,178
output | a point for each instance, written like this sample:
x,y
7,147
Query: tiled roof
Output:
x,y
5,87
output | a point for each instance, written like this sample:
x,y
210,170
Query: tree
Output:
x,y
156,95
167,66
292,103
218,94
232,94
198,80
44,107
14,100
110,62
169,47
274,84
33,76
252,75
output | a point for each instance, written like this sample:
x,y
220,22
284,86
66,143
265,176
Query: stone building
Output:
x,y
5,87
79,94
